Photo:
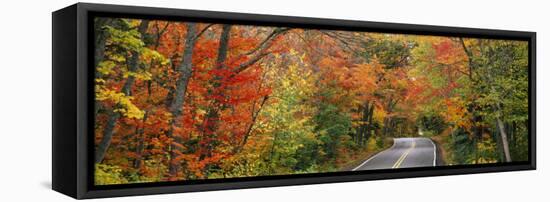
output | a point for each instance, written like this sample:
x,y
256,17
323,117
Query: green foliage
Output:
x,y
433,124
379,142
503,89
519,142
293,140
331,124
125,39
461,147
390,53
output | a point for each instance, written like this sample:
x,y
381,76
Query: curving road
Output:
x,y
404,153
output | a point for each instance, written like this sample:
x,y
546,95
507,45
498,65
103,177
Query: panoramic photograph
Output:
x,y
180,101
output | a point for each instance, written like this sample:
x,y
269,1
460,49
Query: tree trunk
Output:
x,y
212,115
100,39
133,64
504,139
388,121
513,135
502,129
366,119
211,122
369,123
99,53
498,140
141,143
107,136
185,69
359,138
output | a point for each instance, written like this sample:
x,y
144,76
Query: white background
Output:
x,y
25,99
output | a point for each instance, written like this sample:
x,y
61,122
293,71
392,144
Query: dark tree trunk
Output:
x,y
99,53
364,124
476,128
212,115
359,136
107,136
100,39
388,121
369,123
140,144
185,69
211,122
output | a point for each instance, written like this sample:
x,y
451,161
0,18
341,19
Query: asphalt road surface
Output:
x,y
404,153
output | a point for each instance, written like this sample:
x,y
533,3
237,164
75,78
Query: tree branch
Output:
x,y
202,31
250,62
267,39
470,56
259,50
348,42
252,122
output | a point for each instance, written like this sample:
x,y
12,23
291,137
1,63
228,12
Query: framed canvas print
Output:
x,y
155,100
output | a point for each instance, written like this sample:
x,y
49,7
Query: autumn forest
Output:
x,y
190,101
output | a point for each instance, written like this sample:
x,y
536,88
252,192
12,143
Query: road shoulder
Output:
x,y
441,155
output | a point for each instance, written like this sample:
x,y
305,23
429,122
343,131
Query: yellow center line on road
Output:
x,y
403,156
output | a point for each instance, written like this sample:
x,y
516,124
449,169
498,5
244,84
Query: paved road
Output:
x,y
404,153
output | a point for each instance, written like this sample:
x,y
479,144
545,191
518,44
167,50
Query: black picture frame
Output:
x,y
72,98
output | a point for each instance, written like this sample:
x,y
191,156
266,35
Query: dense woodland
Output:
x,y
186,101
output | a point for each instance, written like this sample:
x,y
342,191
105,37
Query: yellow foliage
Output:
x,y
486,148
106,67
107,174
379,115
147,55
456,113
117,58
140,75
127,108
